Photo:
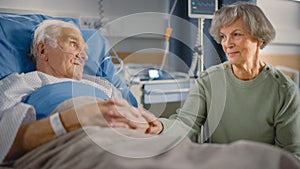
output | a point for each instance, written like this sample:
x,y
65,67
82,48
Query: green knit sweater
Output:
x,y
265,109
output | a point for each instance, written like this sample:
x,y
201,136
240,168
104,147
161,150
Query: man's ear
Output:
x,y
41,49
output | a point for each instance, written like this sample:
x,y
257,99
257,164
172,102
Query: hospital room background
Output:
x,y
158,70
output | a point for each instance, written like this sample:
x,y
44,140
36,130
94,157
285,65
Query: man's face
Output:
x,y
67,59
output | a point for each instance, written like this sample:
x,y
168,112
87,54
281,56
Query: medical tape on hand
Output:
x,y
57,125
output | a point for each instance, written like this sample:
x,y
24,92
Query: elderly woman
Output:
x,y
245,97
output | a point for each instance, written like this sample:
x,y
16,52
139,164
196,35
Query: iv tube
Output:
x,y
167,37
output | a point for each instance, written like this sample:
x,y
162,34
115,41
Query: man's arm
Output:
x,y
30,136
113,113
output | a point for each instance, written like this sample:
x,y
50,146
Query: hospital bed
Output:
x,y
16,34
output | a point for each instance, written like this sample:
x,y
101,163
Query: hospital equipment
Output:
x,y
200,9
167,37
157,90
154,85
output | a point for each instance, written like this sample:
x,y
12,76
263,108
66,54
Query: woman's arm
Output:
x,y
287,123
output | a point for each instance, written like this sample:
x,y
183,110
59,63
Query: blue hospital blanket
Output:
x,y
48,97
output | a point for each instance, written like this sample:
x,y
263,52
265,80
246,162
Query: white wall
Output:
x,y
285,17
113,9
87,7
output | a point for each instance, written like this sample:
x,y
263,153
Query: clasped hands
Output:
x,y
118,113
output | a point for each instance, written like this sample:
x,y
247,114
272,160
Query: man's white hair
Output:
x,y
47,32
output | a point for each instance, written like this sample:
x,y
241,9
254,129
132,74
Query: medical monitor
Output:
x,y
202,8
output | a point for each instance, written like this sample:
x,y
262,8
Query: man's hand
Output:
x,y
131,115
109,113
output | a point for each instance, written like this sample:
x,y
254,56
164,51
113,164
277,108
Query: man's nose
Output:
x,y
83,56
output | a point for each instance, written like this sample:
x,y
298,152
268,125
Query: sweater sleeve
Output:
x,y
191,116
287,122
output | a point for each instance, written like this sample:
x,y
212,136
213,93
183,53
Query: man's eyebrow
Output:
x,y
73,37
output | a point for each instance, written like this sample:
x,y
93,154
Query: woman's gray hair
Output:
x,y
255,21
47,32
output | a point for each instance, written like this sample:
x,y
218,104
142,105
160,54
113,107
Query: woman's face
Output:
x,y
240,47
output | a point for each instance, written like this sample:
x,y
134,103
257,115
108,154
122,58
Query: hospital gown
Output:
x,y
14,112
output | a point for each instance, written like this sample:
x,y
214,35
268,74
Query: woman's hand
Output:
x,y
155,126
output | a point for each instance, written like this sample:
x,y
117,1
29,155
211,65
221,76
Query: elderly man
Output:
x,y
59,51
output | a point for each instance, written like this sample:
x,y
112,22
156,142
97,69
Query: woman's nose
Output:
x,y
228,43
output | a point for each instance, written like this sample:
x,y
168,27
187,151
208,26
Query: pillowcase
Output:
x,y
98,49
